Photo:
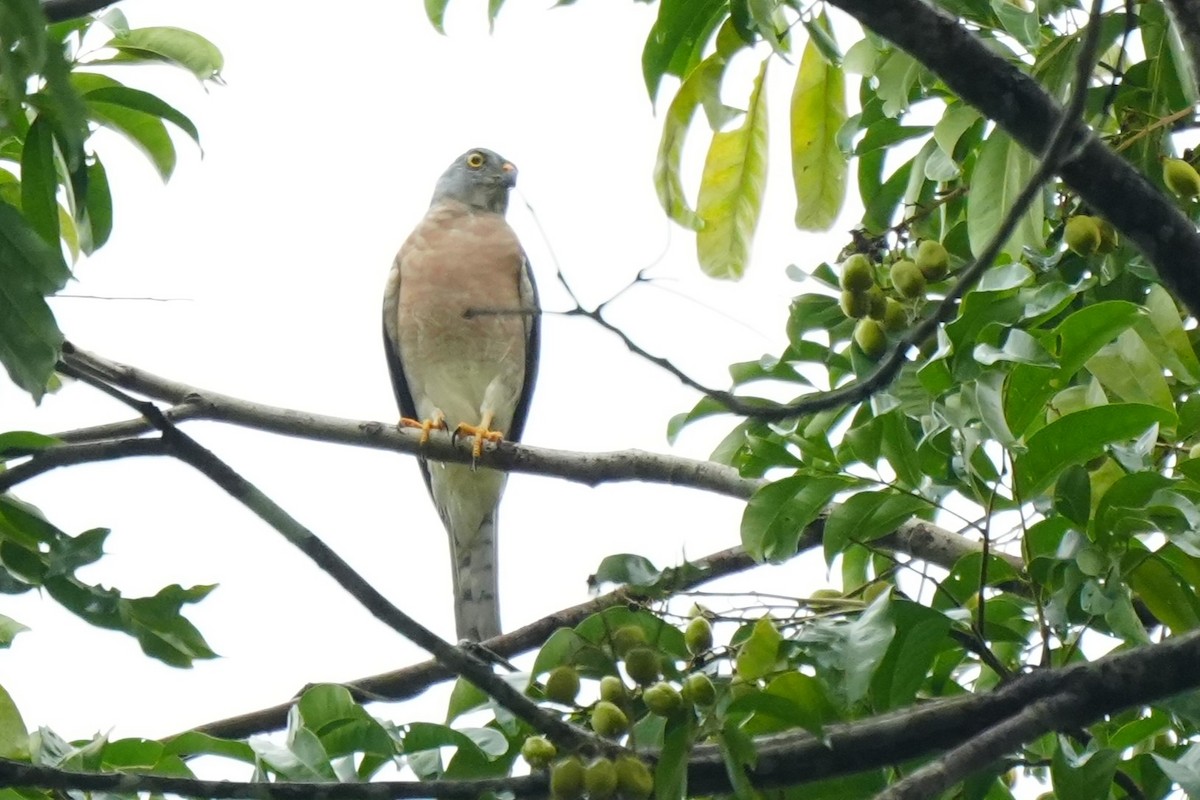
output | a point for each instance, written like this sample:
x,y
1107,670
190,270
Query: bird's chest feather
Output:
x,y
460,336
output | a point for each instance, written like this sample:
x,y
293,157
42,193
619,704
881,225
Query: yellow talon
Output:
x,y
437,422
480,433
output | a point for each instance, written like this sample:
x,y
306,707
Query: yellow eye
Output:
x,y
475,160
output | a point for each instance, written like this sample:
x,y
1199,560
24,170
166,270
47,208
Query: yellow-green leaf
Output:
x,y
703,83
1002,170
731,190
818,164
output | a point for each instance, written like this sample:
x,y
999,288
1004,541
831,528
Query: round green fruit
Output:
x,y
608,719
895,317
876,303
566,779
908,279
870,338
933,260
562,685
641,663
628,637
662,699
698,636
855,305
634,778
600,779
1181,177
612,689
1082,234
857,273
698,690
1108,236
538,751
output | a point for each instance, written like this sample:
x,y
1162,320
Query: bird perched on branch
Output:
x,y
461,330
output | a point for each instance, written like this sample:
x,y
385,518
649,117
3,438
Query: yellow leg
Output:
x,y
481,433
436,422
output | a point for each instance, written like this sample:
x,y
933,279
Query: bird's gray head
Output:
x,y
479,178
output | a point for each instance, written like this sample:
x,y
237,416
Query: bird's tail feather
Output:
x,y
476,606
467,500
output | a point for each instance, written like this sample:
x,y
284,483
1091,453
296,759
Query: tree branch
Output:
x,y
456,659
62,10
1019,105
1075,695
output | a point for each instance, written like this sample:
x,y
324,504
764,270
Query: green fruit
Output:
x,y
538,751
908,279
932,260
1194,452
1181,177
608,720
628,637
662,699
857,273
562,685
1082,234
870,338
855,305
699,690
634,778
612,689
698,636
641,663
566,779
1108,236
876,303
895,317
600,779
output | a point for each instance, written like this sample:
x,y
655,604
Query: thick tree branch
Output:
x,y
1076,695
62,10
591,469
1020,106
457,659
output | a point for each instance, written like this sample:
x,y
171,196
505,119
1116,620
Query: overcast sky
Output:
x,y
319,156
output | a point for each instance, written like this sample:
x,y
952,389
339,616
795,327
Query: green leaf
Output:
x,y
1073,495
145,102
98,208
777,514
174,45
39,181
677,38
670,772
866,516
1128,369
435,10
731,190
29,336
627,568
758,655
194,743
703,82
1080,437
863,645
146,131
740,756
464,697
1001,172
1162,331
920,636
1169,597
9,628
1185,771
24,442
1086,776
790,700
818,165
14,736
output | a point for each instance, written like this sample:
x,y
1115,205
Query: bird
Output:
x,y
461,331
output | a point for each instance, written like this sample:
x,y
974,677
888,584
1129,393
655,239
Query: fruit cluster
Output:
x,y
627,777
879,314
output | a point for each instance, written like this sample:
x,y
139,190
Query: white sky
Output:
x,y
320,155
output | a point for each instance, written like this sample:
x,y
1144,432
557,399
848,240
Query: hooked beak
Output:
x,y
509,171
